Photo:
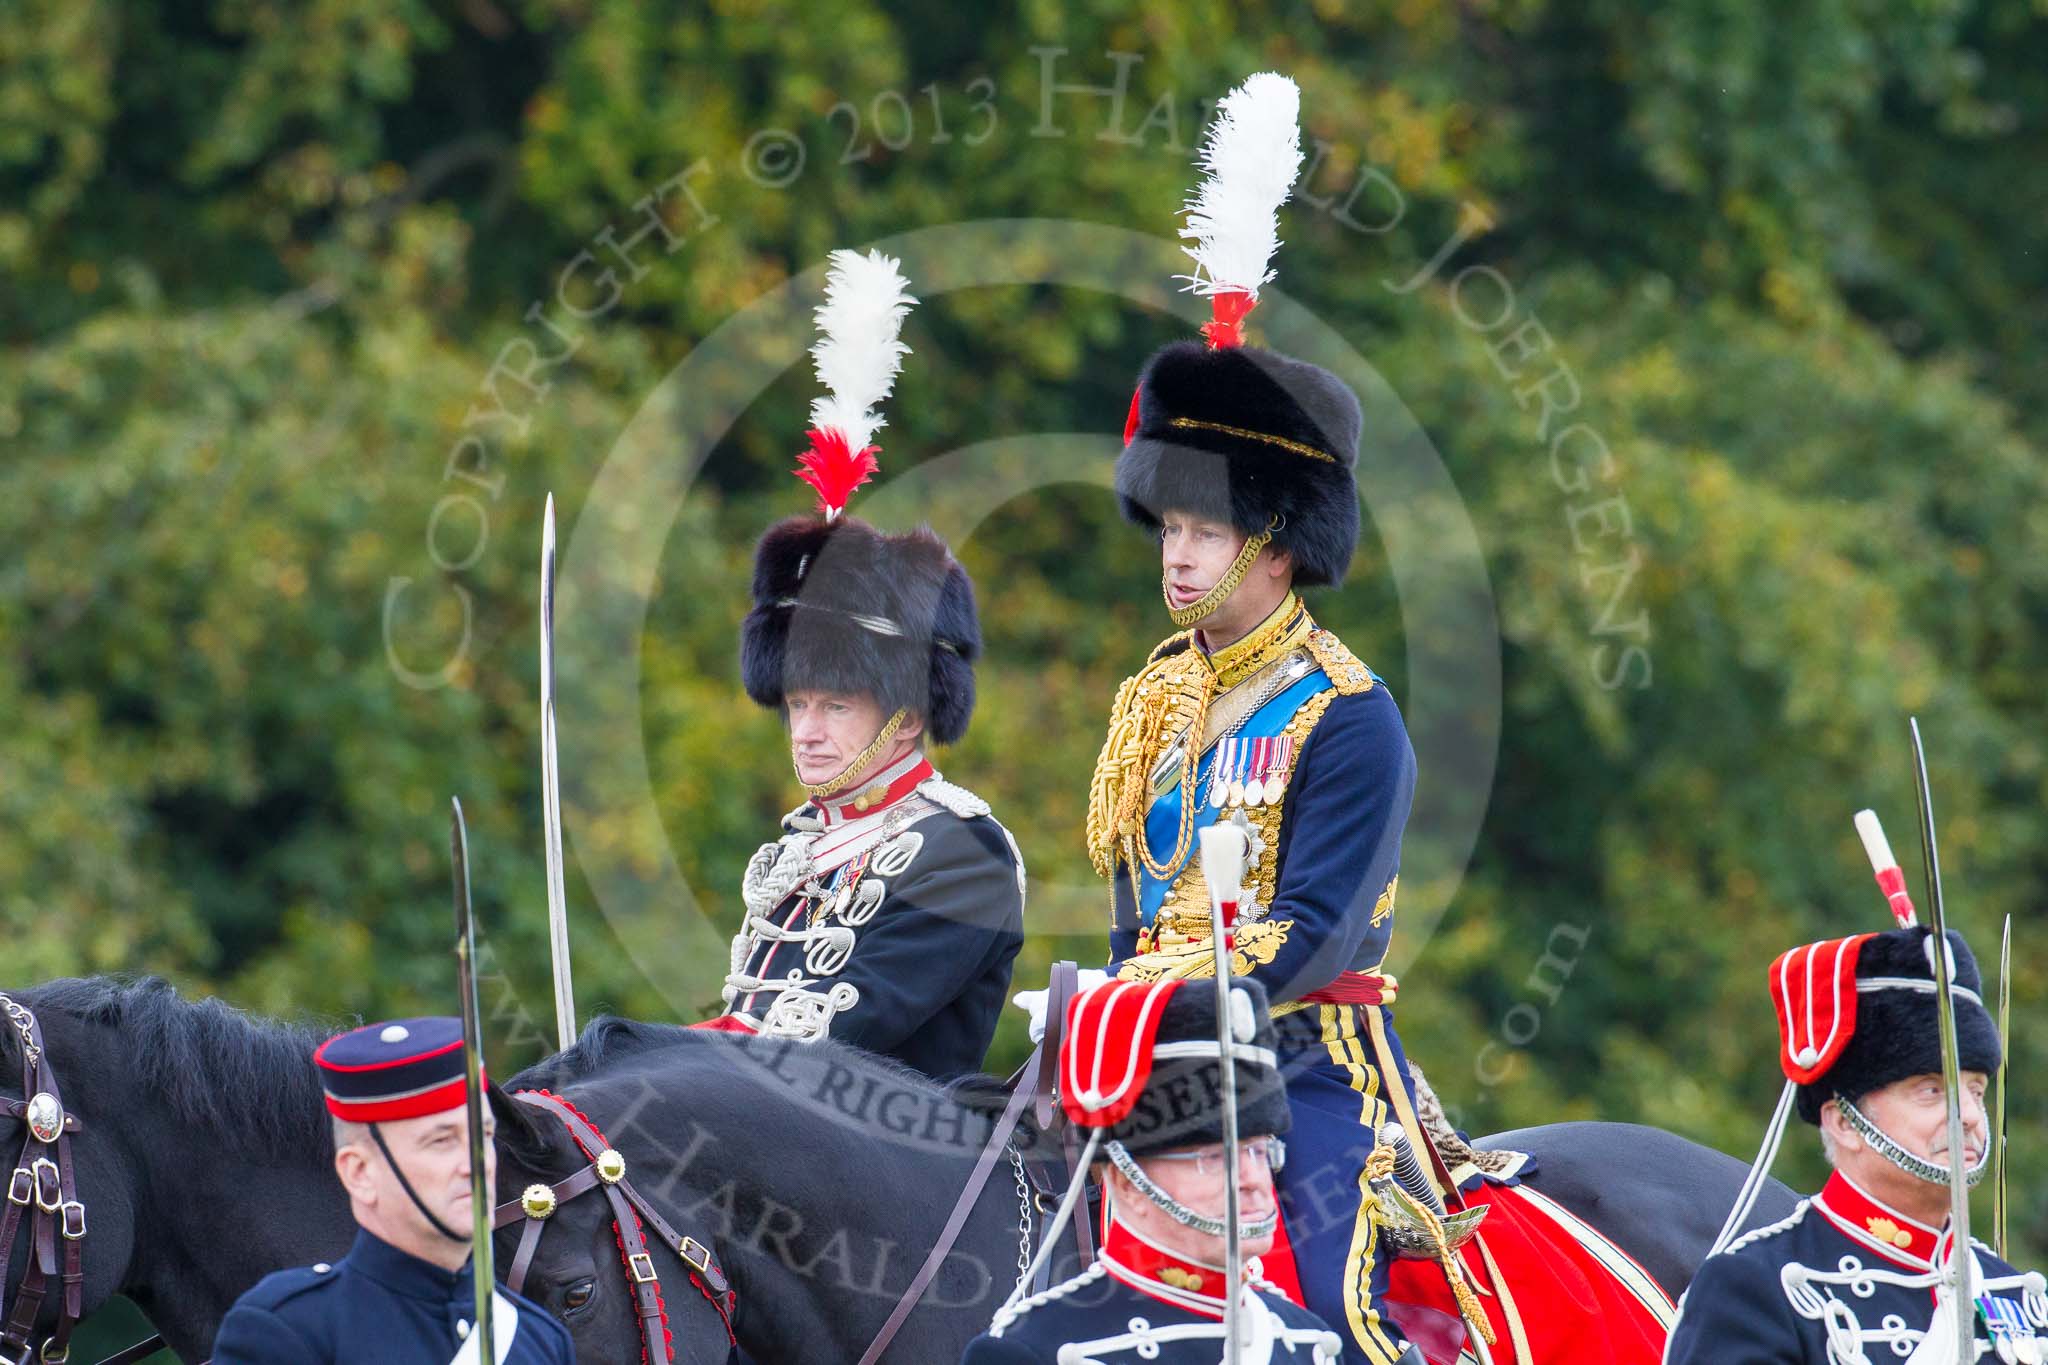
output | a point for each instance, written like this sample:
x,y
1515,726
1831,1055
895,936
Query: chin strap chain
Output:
x,y
818,791
1881,1142
1194,611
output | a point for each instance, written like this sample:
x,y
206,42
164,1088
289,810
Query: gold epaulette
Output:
x,y
1346,671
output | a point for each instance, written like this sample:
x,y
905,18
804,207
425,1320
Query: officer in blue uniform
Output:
x,y
404,1294
889,910
1240,461
1155,1291
1857,1272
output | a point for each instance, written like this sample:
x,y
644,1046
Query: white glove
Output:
x,y
1033,1003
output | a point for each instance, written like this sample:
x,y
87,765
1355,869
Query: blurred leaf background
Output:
x,y
257,260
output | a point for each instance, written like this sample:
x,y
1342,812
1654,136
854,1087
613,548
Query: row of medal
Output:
x,y
2012,1334
1250,772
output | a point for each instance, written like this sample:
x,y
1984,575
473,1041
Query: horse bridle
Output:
x,y
44,1187
632,1215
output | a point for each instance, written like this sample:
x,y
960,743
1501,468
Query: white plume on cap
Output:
x,y
1249,162
859,352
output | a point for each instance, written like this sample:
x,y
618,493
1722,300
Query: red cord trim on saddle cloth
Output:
x,y
619,1235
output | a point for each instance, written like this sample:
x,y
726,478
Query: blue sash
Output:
x,y
1162,822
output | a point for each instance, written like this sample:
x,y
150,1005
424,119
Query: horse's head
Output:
x,y
54,1073
201,1153
574,1244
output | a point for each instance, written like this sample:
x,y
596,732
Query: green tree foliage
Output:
x,y
261,260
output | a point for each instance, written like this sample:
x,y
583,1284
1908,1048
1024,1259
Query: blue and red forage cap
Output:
x,y
403,1069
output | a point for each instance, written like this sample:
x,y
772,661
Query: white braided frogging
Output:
x,y
1846,1334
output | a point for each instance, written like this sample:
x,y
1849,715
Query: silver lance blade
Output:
x,y
1960,1254
551,793
2000,1204
480,1191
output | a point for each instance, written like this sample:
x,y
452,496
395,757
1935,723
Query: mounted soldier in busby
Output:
x,y
1858,1270
1888,1049
1141,1070
888,911
1240,460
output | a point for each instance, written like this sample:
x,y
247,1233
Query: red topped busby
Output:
x,y
404,1069
1856,1014
1235,433
839,605
1140,1062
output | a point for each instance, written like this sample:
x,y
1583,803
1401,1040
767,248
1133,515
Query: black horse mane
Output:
x,y
250,1083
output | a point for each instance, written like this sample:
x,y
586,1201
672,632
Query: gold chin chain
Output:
x,y
819,791
1194,611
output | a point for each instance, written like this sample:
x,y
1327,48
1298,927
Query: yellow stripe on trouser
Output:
x,y
1361,1316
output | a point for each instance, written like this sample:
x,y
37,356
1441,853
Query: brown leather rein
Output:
x,y
632,1215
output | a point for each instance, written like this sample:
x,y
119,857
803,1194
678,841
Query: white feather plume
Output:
x,y
1249,159
858,352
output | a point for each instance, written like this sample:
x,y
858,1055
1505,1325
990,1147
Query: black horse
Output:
x,y
817,1174
204,1157
822,1176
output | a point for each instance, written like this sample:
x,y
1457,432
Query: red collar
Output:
x,y
1152,1270
889,786
1877,1225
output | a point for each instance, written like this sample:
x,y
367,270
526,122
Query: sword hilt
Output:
x,y
1408,1170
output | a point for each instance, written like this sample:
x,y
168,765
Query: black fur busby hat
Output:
x,y
1230,432
1895,1032
839,605
1247,436
843,607
1180,1103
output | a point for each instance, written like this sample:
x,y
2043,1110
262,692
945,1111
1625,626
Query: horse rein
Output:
x,y
632,1215
44,1187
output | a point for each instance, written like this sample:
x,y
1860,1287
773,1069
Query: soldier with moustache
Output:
x,y
1240,461
404,1294
1140,1066
888,910
1857,1275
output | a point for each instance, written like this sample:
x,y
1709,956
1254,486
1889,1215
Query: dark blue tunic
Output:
x,y
1845,1279
894,931
377,1306
1118,1324
1323,895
